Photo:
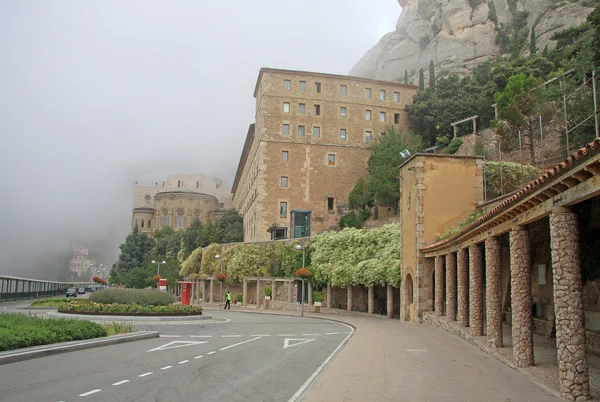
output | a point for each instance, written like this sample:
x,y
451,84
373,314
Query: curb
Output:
x,y
37,352
131,317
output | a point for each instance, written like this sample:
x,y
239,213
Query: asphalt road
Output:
x,y
250,357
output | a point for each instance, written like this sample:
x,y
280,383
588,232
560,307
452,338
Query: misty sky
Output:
x,y
95,95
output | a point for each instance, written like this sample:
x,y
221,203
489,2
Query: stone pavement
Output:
x,y
388,360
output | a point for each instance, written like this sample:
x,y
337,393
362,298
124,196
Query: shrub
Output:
x,y
51,302
453,146
479,148
317,297
239,297
353,220
77,307
268,291
119,328
514,176
20,331
144,297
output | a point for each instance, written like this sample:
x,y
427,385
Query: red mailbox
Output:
x,y
185,293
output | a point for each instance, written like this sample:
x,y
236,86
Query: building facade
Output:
x,y
80,263
310,143
178,201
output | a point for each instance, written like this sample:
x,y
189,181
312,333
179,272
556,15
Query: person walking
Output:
x,y
227,301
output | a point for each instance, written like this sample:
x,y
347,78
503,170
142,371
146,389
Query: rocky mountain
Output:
x,y
459,34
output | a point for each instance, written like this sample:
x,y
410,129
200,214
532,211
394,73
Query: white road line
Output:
x,y
237,344
200,336
146,374
170,336
121,382
166,367
333,333
288,335
183,362
90,392
416,350
311,334
211,353
231,336
260,335
304,386
198,357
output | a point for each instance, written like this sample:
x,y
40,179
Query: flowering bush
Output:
x,y
156,278
221,277
91,307
97,279
303,272
138,296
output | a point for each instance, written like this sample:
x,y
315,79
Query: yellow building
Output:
x,y
310,143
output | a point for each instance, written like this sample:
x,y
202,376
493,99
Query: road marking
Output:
x,y
211,353
90,392
333,333
416,350
166,367
286,343
239,343
260,335
121,382
200,336
183,362
170,336
177,344
231,336
198,357
310,334
304,386
146,374
287,335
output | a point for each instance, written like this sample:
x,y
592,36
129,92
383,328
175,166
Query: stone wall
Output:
x,y
360,298
339,298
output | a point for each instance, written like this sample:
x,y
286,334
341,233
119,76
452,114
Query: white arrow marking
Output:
x,y
287,344
177,344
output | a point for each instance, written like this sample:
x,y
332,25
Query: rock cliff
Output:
x,y
459,34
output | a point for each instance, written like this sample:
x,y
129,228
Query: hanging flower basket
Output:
x,y
221,277
156,278
97,279
303,273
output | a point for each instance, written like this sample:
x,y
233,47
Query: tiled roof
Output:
x,y
575,159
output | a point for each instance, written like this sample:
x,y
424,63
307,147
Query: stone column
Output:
x,y
245,293
203,290
371,300
291,291
211,297
349,297
493,292
439,285
390,301
451,286
463,287
475,291
568,306
329,295
310,290
520,284
260,296
273,290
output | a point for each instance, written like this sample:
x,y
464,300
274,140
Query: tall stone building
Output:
x,y
177,201
310,143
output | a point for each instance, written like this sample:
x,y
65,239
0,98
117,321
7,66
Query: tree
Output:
x,y
383,164
533,43
406,76
231,226
432,75
193,264
134,256
421,80
360,197
594,21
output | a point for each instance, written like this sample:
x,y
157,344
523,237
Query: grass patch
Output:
x,y
51,302
115,328
454,230
76,306
144,297
21,331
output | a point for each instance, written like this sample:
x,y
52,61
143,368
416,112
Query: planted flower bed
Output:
x,y
146,297
76,307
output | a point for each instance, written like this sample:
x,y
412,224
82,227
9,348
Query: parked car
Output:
x,y
71,292
92,290
81,291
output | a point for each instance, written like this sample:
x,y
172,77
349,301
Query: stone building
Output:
x,y
80,263
310,143
177,201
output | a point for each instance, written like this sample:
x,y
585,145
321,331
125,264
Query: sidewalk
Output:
x,y
389,360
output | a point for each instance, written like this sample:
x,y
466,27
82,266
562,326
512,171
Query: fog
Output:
x,y
96,95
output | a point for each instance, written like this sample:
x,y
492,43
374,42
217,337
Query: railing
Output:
x,y
15,288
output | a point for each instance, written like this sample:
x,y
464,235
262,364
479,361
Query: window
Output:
x,y
316,131
382,117
286,107
300,131
286,129
284,156
317,110
396,118
287,85
368,93
342,112
165,217
180,217
330,204
342,133
284,181
331,160
303,86
142,223
367,136
382,95
396,96
149,224
368,115
343,90
283,209
317,87
301,108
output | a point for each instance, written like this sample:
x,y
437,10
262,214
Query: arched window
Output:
x,y
178,183
180,218
142,223
165,218
149,223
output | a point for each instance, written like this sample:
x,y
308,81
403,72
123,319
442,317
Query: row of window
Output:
x,y
287,85
317,132
283,207
285,156
143,223
343,112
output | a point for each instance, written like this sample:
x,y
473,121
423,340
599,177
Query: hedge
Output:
x,y
174,309
144,297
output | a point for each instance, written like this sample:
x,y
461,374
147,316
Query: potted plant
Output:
x,y
221,277
156,278
317,300
303,273
268,293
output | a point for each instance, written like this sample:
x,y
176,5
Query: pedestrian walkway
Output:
x,y
388,360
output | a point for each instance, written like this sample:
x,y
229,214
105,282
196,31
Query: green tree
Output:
x,y
133,259
533,43
383,164
193,264
231,227
421,80
432,75
406,76
360,197
594,21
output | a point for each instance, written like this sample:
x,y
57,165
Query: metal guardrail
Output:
x,y
28,295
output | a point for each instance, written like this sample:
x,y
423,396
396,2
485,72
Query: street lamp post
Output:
x,y
299,247
158,265
218,257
